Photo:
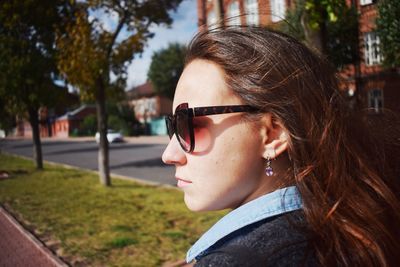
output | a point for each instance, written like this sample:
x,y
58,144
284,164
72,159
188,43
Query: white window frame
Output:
x,y
233,14
211,20
372,51
251,8
375,100
366,2
278,10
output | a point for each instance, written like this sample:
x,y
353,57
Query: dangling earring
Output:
x,y
268,170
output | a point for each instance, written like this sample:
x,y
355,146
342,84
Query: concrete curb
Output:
x,y
49,254
157,139
113,175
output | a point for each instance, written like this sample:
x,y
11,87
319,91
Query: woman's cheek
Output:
x,y
203,140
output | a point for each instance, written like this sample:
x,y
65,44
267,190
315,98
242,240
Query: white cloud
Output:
x,y
182,30
105,20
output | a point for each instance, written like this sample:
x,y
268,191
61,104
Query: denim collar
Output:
x,y
275,203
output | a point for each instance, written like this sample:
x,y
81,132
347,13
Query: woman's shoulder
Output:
x,y
277,241
241,256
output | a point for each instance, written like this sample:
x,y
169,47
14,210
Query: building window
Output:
x,y
278,10
365,2
211,20
375,100
233,14
251,7
372,49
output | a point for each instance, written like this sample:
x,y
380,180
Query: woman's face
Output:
x,y
226,168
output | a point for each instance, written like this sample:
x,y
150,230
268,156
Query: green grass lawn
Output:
x,y
128,224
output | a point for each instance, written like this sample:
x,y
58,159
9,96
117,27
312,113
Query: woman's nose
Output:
x,y
173,153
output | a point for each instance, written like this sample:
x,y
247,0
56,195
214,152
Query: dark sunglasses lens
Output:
x,y
170,128
183,131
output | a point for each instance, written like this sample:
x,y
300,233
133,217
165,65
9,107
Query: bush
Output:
x,y
122,118
89,125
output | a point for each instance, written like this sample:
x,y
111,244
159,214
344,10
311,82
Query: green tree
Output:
x,y
27,65
330,26
166,67
388,28
121,117
7,118
89,125
91,51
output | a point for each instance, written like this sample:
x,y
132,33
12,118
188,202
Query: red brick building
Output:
x,y
24,129
47,116
65,125
150,107
258,12
378,88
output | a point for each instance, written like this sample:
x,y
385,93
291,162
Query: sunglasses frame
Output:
x,y
190,113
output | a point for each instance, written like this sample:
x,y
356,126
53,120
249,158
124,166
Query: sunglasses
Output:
x,y
181,123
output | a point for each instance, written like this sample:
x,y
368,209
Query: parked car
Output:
x,y
112,136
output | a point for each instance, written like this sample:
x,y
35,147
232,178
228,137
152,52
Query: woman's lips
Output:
x,y
182,182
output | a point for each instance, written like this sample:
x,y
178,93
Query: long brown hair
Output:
x,y
349,194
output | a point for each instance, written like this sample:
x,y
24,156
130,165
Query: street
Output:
x,y
139,160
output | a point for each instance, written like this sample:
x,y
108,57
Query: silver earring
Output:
x,y
268,170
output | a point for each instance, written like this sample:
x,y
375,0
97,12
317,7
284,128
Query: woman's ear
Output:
x,y
275,137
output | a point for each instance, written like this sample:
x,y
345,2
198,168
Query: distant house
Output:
x,y
150,108
65,125
46,116
24,129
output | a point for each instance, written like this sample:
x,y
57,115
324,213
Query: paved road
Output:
x,y
137,159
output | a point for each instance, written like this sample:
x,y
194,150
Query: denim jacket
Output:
x,y
272,204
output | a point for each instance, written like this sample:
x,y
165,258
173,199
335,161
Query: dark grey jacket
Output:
x,y
276,241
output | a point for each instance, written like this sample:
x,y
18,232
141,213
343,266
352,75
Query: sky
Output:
x,y
182,30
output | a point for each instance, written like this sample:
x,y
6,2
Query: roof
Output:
x,y
145,89
74,114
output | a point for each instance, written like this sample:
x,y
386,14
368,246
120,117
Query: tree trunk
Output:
x,y
316,38
103,158
323,32
37,147
313,37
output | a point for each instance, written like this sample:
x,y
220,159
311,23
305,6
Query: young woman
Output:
x,y
259,127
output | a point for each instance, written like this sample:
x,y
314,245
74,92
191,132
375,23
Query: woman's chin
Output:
x,y
194,205
199,205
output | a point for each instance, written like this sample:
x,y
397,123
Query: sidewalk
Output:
x,y
19,248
